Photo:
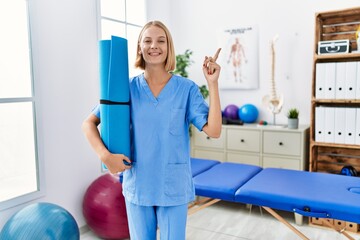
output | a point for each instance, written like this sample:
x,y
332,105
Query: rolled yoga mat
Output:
x,y
114,95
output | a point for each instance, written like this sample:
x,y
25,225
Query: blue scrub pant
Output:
x,y
144,221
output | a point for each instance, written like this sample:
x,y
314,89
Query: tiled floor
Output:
x,y
231,221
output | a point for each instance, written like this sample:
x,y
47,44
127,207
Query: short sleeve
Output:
x,y
198,108
96,111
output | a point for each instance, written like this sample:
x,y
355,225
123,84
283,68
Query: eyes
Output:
x,y
149,41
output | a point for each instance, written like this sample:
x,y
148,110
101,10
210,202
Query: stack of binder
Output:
x,y
338,80
337,125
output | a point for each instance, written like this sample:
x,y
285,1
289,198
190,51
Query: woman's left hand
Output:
x,y
211,69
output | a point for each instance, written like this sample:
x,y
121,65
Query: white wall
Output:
x,y
195,25
66,76
64,41
159,10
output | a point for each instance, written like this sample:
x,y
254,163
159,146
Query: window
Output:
x,y
19,175
123,18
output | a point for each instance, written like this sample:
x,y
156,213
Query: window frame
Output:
x,y
125,22
40,192
132,69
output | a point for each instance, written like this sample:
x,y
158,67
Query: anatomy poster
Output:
x,y
239,58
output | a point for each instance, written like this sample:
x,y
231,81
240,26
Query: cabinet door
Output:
x,y
276,162
202,140
243,140
284,143
243,158
208,154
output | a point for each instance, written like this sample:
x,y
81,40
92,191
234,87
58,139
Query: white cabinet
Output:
x,y
243,145
208,148
265,146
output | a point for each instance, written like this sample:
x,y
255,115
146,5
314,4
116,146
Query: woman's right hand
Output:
x,y
211,69
114,162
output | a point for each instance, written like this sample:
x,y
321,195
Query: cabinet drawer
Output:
x,y
202,140
243,158
281,163
212,155
286,143
243,140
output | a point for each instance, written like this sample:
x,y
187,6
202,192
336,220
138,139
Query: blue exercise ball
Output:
x,y
231,112
248,113
41,221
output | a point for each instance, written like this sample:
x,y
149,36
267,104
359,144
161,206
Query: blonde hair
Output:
x,y
170,61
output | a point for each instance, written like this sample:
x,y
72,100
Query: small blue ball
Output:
x,y
248,113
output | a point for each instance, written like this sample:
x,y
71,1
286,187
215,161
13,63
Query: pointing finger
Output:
x,y
216,54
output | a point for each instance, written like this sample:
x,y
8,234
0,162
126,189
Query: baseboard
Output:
x,y
84,229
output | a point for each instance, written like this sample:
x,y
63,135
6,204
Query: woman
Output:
x,y
158,185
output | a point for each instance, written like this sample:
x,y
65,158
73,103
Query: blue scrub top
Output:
x,y
161,171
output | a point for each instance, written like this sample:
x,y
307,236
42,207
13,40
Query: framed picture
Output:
x,y
239,58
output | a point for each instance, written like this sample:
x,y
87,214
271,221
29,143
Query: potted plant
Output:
x,y
293,118
183,61
204,91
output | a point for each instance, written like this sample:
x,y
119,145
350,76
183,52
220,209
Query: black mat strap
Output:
x,y
108,102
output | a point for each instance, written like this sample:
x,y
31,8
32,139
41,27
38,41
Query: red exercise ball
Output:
x,y
104,208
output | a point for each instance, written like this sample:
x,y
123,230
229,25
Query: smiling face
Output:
x,y
157,29
153,46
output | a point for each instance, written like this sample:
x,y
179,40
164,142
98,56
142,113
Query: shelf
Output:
x,y
337,57
329,26
336,101
330,157
335,145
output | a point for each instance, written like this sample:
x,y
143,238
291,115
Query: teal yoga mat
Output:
x,y
114,95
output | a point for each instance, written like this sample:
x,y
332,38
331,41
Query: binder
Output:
x,y
350,116
350,88
340,80
339,125
320,80
358,82
319,124
357,123
330,76
329,124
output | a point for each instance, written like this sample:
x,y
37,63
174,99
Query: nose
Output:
x,y
154,45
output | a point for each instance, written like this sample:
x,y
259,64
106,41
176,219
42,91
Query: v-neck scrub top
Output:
x,y
161,171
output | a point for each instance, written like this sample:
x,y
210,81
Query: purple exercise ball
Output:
x,y
231,112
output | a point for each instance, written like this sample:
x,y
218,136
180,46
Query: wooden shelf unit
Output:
x,y
324,156
334,25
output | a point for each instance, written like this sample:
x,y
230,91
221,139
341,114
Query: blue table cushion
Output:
x,y
311,194
199,165
222,180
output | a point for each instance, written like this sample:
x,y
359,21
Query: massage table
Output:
x,y
310,194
